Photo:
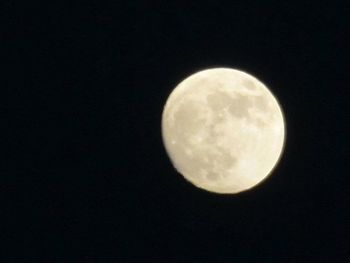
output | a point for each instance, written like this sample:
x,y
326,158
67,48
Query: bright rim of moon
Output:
x,y
223,130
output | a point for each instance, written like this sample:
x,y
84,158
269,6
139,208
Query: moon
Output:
x,y
223,130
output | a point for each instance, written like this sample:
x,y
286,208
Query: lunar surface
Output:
x,y
223,130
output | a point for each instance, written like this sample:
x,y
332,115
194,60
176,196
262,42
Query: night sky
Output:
x,y
86,177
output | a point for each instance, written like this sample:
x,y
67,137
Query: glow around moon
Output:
x,y
223,130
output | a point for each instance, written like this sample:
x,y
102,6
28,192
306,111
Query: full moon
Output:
x,y
223,130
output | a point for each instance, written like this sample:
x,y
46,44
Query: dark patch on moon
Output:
x,y
249,84
212,177
237,106
261,103
188,115
240,106
219,100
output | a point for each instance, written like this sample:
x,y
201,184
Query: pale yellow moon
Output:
x,y
223,130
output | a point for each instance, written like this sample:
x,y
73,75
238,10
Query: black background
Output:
x,y
88,179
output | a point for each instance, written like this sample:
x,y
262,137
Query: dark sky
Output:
x,y
87,178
